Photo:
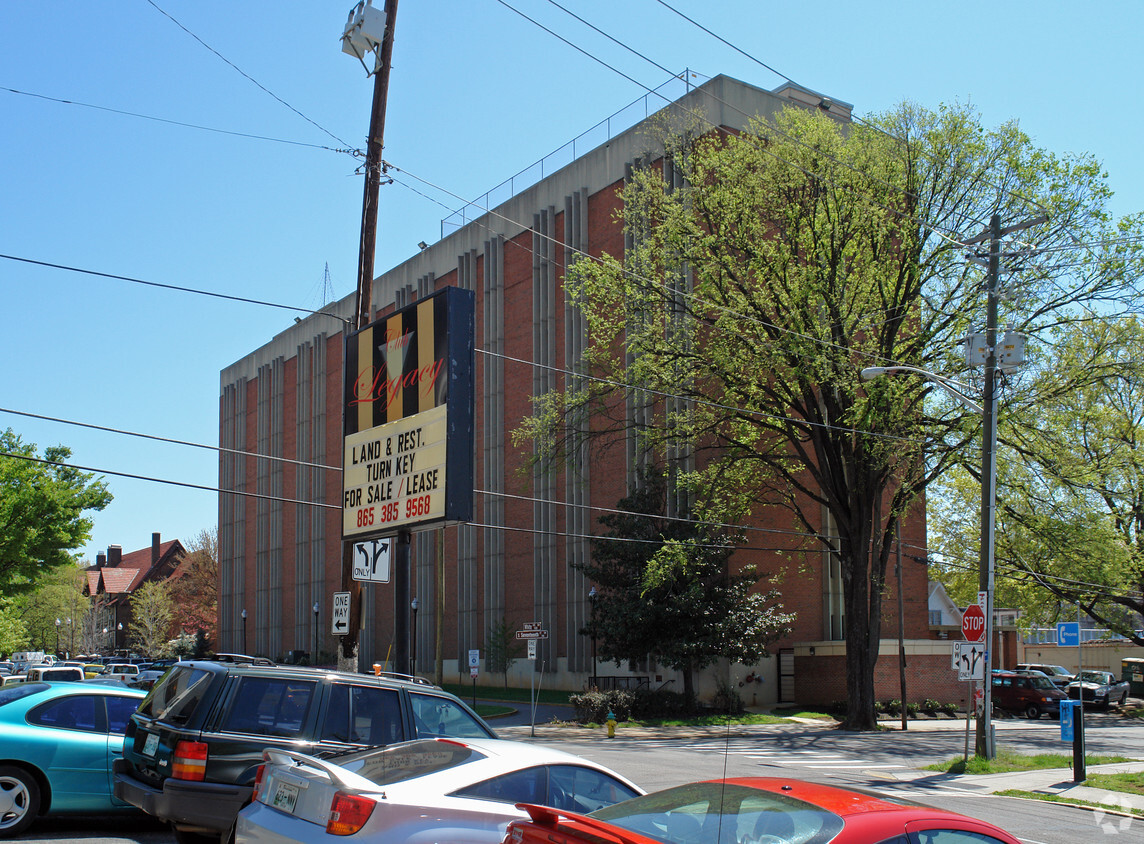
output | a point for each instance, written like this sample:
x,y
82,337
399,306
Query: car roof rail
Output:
x,y
408,678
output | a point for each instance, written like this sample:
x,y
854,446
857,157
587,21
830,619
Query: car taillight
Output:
x,y
348,813
190,761
258,774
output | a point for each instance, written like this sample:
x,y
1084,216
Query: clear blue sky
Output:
x,y
477,94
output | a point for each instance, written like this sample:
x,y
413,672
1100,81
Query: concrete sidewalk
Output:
x,y
1054,781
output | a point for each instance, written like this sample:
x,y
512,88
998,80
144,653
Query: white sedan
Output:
x,y
418,792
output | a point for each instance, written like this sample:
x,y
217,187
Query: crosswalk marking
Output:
x,y
750,749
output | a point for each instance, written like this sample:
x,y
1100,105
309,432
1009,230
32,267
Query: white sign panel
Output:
x,y
372,560
341,615
969,660
474,658
395,474
532,649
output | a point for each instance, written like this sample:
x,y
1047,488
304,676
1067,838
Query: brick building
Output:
x,y
112,581
280,560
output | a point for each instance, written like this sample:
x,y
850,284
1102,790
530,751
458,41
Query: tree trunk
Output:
x,y
863,602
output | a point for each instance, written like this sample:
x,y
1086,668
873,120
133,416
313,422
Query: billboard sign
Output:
x,y
408,446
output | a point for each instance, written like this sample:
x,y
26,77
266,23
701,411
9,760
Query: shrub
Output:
x,y
727,701
593,706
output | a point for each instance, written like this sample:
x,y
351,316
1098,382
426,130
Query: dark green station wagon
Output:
x,y
191,750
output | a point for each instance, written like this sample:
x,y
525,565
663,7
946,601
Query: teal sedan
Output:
x,y
57,743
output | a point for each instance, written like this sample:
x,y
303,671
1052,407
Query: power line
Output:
x,y
170,440
180,289
179,123
169,482
246,75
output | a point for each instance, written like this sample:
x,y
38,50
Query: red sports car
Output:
x,y
756,810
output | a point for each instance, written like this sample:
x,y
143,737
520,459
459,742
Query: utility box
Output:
x,y
1010,350
1132,670
364,30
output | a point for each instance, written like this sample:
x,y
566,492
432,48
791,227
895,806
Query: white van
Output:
x,y
51,673
124,671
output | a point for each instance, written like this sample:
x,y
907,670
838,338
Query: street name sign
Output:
x,y
532,634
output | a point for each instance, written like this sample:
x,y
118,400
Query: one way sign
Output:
x,y
341,617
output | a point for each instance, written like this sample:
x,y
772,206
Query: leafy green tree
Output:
x,y
152,612
767,268
13,633
1071,486
502,648
664,591
58,596
42,506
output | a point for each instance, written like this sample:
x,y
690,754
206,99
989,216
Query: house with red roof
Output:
x,y
115,577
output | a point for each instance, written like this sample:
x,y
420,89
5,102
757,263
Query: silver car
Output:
x,y
427,790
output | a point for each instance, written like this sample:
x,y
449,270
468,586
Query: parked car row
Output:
x,y
265,753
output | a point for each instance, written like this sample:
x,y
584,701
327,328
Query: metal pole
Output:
x,y
363,311
901,626
984,745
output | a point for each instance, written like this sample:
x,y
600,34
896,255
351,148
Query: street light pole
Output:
x,y
314,658
592,600
244,650
413,639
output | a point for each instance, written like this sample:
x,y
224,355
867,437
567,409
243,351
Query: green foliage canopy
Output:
x,y
42,506
765,269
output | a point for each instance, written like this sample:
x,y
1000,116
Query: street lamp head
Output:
x,y
871,372
315,607
58,622
592,594
244,613
414,604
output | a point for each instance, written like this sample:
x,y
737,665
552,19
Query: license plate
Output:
x,y
285,796
151,744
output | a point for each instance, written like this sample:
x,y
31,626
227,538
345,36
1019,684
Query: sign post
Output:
x,y
474,668
532,631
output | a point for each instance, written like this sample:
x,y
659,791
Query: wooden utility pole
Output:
x,y
363,313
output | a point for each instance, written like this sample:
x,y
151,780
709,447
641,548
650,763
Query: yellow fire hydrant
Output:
x,y
611,724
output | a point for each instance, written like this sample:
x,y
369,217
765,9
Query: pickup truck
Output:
x,y
1099,687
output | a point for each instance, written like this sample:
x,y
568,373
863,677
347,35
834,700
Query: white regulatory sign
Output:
x,y
372,560
341,616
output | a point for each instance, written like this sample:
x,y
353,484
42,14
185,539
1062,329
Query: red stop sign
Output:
x,y
973,623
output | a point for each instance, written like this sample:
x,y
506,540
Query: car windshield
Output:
x,y
174,697
709,811
1093,677
409,760
1041,683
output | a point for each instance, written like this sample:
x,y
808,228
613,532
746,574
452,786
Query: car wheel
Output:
x,y
19,800
1033,712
